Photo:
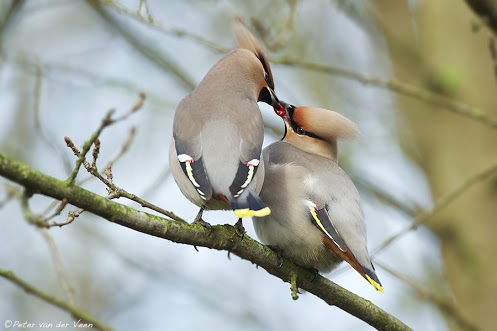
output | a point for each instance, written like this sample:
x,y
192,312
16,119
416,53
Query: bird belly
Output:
x,y
298,239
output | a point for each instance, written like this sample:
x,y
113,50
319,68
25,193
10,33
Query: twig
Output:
x,y
123,149
440,204
57,261
45,138
162,61
31,65
117,155
163,27
442,303
106,121
10,193
143,7
75,312
116,192
223,237
86,146
58,211
42,222
71,216
281,39
412,91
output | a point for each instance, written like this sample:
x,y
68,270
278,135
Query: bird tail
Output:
x,y
372,278
249,205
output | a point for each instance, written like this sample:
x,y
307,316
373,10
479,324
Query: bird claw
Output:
x,y
198,220
240,229
279,252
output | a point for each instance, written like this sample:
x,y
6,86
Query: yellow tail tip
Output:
x,y
262,212
377,286
245,212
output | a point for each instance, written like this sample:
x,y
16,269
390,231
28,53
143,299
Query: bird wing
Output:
x,y
250,157
320,217
322,220
187,130
189,155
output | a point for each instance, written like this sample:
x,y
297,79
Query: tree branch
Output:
x,y
443,303
412,91
223,237
75,312
425,216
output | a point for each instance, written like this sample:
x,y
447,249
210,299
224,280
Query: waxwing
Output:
x,y
218,134
316,218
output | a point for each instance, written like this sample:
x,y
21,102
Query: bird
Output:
x,y
218,132
316,217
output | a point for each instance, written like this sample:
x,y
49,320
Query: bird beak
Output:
x,y
282,110
268,96
275,102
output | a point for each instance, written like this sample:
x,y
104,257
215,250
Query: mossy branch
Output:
x,y
223,237
75,312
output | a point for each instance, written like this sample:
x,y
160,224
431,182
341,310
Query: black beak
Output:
x,y
268,96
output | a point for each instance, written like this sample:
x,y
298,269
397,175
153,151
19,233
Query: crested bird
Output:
x,y
218,131
316,217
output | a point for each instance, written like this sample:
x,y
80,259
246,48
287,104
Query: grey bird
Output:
x,y
218,133
316,218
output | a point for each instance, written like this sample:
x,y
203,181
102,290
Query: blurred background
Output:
x,y
65,63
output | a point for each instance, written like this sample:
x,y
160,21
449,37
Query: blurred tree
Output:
x,y
443,46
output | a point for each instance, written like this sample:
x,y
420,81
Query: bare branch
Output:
x,y
149,21
440,204
75,312
412,91
106,121
162,61
57,261
444,304
10,193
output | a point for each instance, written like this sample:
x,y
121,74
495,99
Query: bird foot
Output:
x,y
240,229
198,220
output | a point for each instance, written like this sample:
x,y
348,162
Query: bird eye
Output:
x,y
300,131
266,77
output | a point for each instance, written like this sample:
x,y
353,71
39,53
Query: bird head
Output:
x,y
315,130
245,39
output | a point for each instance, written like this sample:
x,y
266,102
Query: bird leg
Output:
x,y
198,220
239,228
279,252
